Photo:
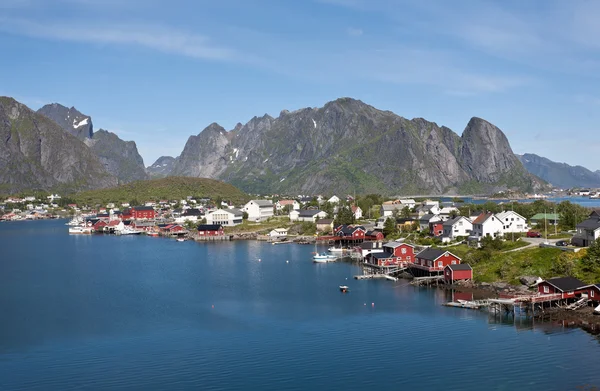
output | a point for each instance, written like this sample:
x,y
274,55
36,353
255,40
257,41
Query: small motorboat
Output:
x,y
597,310
337,250
344,289
322,258
180,239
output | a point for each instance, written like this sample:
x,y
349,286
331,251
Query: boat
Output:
x,y
344,289
336,250
152,233
597,310
79,230
322,258
77,220
128,231
180,239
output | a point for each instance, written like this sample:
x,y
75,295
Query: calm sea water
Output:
x,y
583,201
106,312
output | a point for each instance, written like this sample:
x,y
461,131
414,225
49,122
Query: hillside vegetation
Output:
x,y
171,188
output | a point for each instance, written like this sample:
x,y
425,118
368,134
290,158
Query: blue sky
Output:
x,y
157,71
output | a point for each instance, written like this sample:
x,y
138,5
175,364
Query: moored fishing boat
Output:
x,y
79,230
322,258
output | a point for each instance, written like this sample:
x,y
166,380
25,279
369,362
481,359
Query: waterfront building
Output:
x,y
225,217
259,210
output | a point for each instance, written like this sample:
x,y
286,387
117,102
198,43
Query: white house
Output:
x,y
278,233
456,227
425,220
447,211
512,222
334,200
282,204
426,209
192,215
259,210
294,214
225,217
357,211
407,202
387,210
311,215
487,225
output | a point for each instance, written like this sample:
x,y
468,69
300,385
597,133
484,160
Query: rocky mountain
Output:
x,y
560,174
120,158
349,146
36,153
161,167
70,119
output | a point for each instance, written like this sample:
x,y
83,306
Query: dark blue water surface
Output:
x,y
107,312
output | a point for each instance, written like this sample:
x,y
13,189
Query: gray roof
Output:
x,y
427,217
460,266
395,244
591,223
431,254
450,222
308,213
236,212
392,207
262,203
566,284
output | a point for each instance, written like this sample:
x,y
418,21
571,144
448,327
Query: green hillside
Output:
x,y
170,188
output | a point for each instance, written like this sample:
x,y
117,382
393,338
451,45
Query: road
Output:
x,y
534,242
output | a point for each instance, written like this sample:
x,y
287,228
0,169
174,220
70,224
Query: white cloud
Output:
x,y
160,38
354,32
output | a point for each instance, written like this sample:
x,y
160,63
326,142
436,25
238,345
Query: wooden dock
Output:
x,y
372,276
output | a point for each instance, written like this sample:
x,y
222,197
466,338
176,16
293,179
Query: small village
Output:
x,y
357,238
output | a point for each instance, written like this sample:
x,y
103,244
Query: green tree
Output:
x,y
570,214
591,260
405,213
344,216
244,215
328,208
134,202
218,201
389,227
490,243
564,265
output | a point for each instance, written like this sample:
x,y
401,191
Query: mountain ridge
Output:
x,y
560,174
348,145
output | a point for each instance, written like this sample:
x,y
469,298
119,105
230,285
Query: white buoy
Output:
x,y
258,259
287,261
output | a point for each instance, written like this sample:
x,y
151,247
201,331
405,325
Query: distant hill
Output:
x,y
161,167
37,154
560,174
171,188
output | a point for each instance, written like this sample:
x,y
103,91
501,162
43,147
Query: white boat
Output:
x,y
336,250
180,239
77,220
344,289
322,258
79,230
128,231
597,310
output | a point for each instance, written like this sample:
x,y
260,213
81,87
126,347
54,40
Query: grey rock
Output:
x,y
500,285
70,119
120,158
349,146
36,153
162,167
528,280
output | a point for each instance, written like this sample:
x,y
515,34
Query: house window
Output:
x,y
546,289
408,258
440,263
591,293
453,262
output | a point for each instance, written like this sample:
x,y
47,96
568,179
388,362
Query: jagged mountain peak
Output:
x,y
348,145
70,119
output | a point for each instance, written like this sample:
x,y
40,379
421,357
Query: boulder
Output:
x,y
528,280
500,285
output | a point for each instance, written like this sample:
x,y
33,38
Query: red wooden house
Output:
x,y
348,234
99,225
143,212
461,271
403,251
436,229
127,214
567,287
374,235
210,230
432,261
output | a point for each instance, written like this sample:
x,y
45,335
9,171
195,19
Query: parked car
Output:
x,y
534,234
562,243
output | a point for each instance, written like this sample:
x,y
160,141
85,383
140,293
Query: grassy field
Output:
x,y
170,188
499,265
263,227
